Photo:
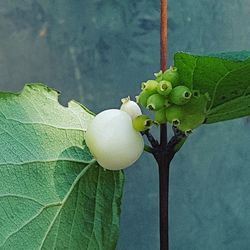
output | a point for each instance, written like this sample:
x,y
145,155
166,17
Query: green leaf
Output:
x,y
53,195
225,76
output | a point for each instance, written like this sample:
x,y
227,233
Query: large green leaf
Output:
x,y
52,193
225,76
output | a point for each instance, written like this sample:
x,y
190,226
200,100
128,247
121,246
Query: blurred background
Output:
x,y
97,52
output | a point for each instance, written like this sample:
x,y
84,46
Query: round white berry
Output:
x,y
113,141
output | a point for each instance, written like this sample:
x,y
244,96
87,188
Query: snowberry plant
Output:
x,y
61,168
61,181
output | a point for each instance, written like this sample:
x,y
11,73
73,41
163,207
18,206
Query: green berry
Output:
x,y
164,88
156,102
180,95
150,86
174,115
160,116
142,123
143,98
189,116
191,121
172,76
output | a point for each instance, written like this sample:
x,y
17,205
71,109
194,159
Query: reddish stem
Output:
x,y
164,34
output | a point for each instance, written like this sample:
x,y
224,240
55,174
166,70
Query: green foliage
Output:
x,y
225,77
52,193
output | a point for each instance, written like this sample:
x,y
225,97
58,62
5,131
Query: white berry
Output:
x,y
130,107
113,141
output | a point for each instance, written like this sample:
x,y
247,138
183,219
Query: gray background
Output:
x,y
98,51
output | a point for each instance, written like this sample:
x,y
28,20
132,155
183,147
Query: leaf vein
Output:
x,y
63,203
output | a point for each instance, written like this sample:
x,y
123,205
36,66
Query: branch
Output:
x,y
154,143
148,149
177,140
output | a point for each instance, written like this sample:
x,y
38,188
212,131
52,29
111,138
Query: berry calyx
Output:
x,y
174,115
164,88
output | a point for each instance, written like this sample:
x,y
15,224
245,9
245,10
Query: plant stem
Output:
x,y
163,162
163,155
164,151
164,191
164,34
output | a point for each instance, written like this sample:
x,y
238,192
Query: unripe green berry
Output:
x,y
180,95
172,76
156,102
164,88
188,116
142,123
150,86
160,116
191,121
143,98
174,115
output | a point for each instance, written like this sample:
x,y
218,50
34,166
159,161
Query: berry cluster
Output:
x,y
171,101
114,137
